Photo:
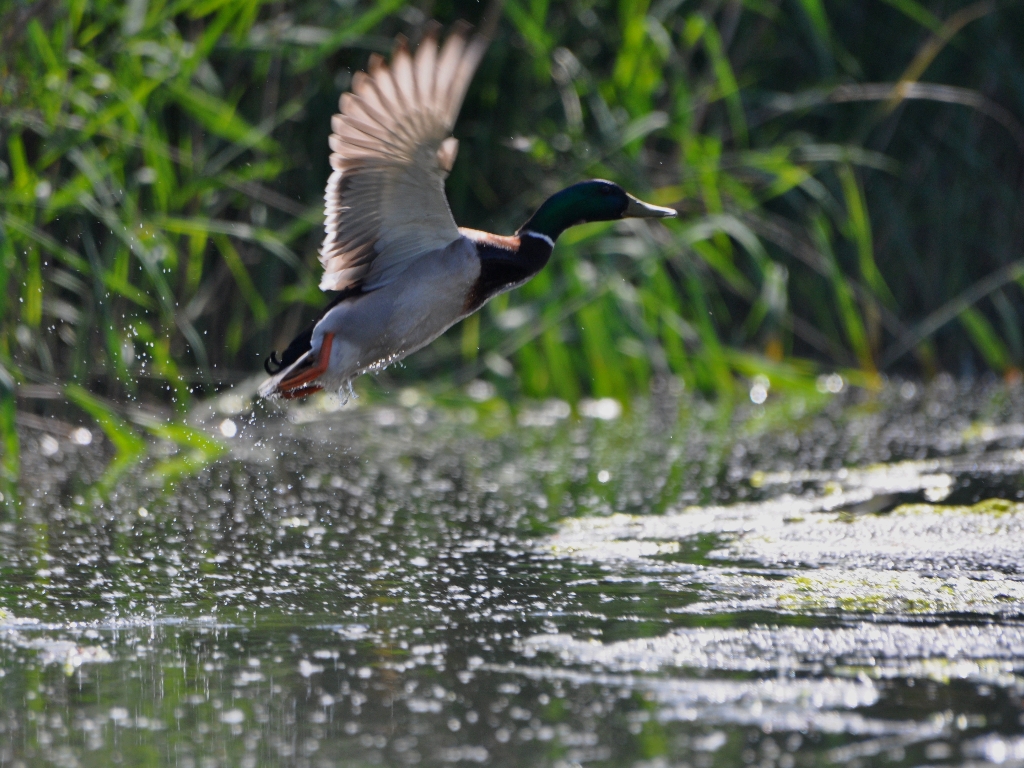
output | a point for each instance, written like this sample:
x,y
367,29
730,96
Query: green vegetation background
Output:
x,y
848,175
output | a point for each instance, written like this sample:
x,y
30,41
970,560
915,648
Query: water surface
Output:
x,y
807,583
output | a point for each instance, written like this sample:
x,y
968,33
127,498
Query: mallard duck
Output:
x,y
403,270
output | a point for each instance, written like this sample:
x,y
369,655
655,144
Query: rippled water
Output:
x,y
427,585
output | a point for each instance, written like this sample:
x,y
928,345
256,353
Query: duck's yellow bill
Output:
x,y
638,209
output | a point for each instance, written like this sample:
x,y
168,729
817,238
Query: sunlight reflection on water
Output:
x,y
672,586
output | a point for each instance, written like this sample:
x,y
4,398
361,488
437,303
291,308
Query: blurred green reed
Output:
x,y
848,177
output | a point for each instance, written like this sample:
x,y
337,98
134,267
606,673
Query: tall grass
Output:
x,y
848,176
836,208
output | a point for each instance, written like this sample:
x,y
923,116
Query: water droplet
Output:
x,y
82,436
48,445
605,409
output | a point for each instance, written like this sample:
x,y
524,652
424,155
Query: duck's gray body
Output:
x,y
373,330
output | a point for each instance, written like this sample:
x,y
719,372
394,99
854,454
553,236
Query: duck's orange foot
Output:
x,y
299,385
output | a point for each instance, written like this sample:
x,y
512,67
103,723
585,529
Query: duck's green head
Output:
x,y
594,200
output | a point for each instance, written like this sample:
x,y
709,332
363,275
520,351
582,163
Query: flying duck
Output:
x,y
403,270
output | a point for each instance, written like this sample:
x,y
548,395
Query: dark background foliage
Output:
x,y
848,173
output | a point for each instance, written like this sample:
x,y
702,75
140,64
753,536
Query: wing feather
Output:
x,y
424,68
391,149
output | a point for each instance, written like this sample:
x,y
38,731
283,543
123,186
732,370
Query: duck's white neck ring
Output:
x,y
538,235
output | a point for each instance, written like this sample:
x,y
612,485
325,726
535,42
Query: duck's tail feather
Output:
x,y
298,379
299,355
298,347
271,388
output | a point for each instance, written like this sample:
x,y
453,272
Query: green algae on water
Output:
x,y
996,507
897,592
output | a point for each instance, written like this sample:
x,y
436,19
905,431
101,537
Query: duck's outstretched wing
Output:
x,y
391,151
